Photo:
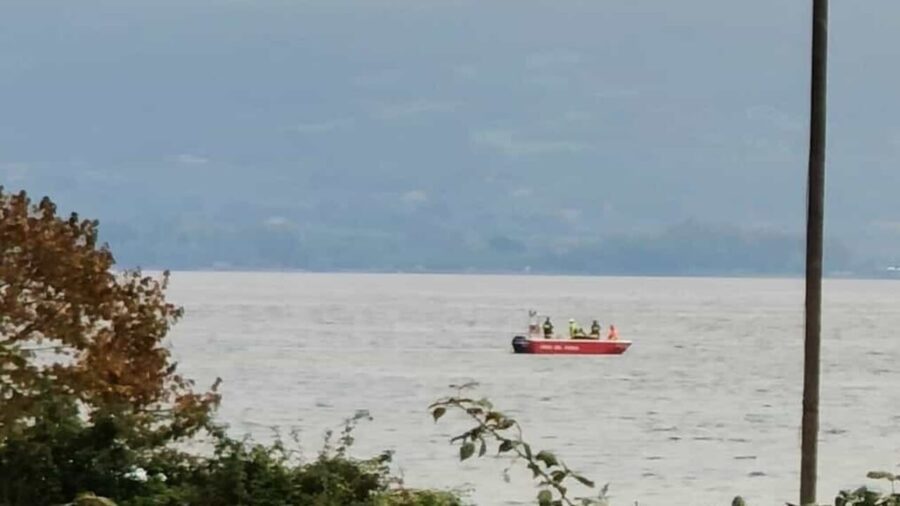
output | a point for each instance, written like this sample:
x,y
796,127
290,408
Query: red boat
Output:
x,y
522,344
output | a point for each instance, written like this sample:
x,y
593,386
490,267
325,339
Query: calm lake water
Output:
x,y
705,405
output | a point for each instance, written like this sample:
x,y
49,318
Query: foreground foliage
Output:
x,y
865,496
492,428
62,456
71,326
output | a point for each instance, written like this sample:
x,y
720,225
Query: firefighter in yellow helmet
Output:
x,y
574,329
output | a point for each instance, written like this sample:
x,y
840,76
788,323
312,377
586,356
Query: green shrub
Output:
x,y
61,456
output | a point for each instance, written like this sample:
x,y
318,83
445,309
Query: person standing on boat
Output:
x,y
613,333
595,330
548,329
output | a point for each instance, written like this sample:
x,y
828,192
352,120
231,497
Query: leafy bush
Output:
x,y
59,456
864,496
62,456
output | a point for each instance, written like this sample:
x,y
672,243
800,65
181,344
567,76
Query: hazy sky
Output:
x,y
602,114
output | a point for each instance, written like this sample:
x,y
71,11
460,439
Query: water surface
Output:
x,y
705,405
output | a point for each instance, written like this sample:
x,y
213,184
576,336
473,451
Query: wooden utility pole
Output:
x,y
814,232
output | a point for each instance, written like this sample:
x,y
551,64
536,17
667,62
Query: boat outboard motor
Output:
x,y
520,344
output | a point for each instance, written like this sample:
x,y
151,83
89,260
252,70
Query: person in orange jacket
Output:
x,y
613,333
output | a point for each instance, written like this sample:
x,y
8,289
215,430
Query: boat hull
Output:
x,y
522,344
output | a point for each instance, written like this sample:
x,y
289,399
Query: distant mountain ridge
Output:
x,y
615,137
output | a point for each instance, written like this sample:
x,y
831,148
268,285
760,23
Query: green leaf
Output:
x,y
438,413
486,404
604,490
558,476
881,475
545,498
547,458
474,411
466,451
483,449
535,470
506,446
584,481
527,448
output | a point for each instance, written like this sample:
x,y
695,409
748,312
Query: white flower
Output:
x,y
137,474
